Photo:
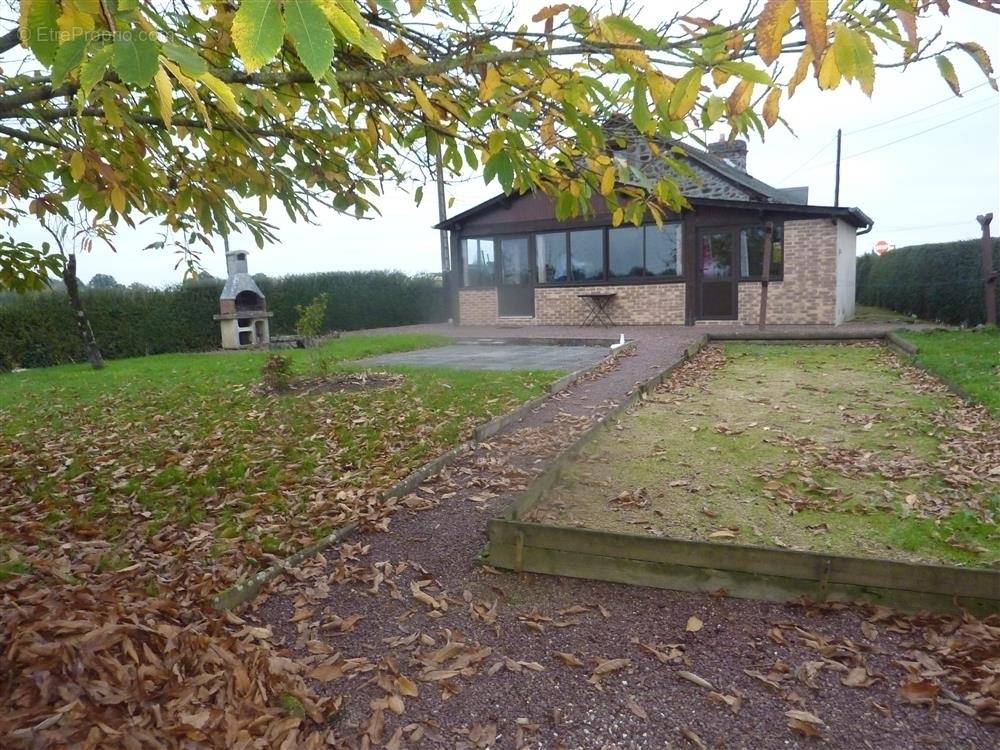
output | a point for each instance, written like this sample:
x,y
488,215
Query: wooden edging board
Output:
x,y
248,588
744,571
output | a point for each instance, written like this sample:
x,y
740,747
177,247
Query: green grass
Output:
x,y
822,448
183,447
871,314
969,359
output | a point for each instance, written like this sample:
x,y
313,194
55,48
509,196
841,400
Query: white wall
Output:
x,y
846,265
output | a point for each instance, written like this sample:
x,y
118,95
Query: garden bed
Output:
x,y
773,471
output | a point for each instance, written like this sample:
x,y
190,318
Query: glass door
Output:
x,y
716,277
516,292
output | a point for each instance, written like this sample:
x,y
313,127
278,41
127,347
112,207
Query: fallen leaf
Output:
x,y
694,624
568,659
635,708
692,677
919,691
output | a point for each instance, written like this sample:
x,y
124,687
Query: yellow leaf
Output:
x,y
188,85
225,94
549,12
77,166
720,76
608,180
490,82
829,73
164,92
800,70
416,6
739,100
685,94
813,15
771,107
424,102
617,217
73,21
118,199
548,130
694,624
774,22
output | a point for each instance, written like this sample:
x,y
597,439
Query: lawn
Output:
x,y
180,459
839,449
969,359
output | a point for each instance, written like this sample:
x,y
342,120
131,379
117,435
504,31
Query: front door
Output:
x,y
716,275
516,292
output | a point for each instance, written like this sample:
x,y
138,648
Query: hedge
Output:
x,y
38,330
941,281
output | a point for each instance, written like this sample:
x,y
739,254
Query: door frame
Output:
x,y
530,286
734,277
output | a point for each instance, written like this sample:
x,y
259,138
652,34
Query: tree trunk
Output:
x,y
82,322
989,275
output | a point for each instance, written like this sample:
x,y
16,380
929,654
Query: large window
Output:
x,y
752,253
650,250
625,252
586,254
477,262
550,252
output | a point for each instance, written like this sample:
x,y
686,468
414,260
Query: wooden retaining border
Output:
x,y
248,588
743,571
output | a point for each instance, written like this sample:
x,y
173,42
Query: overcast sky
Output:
x,y
919,161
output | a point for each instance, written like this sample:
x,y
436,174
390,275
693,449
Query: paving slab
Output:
x,y
497,357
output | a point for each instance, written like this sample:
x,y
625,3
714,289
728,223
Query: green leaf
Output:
x,y
68,58
39,28
746,71
258,31
135,59
947,71
499,165
191,63
640,107
311,35
628,27
92,71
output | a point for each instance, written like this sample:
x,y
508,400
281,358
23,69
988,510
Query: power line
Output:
x,y
806,162
913,112
925,226
921,132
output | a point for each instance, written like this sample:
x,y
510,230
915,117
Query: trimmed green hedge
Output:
x,y
941,281
38,330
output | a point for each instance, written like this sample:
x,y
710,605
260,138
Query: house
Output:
x,y
515,262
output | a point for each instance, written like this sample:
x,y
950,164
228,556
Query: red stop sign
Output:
x,y
881,247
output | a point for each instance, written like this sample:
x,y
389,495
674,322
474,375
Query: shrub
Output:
x,y
38,330
277,372
941,281
310,322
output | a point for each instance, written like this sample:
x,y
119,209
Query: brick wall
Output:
x,y
635,304
808,292
477,307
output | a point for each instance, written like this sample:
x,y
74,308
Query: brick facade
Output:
x,y
807,293
477,307
635,304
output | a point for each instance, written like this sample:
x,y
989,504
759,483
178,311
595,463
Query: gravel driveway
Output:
x,y
430,649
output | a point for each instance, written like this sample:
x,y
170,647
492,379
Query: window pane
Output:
x,y
625,252
586,252
514,264
551,250
477,258
663,250
752,252
716,255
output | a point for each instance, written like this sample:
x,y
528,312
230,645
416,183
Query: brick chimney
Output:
x,y
733,152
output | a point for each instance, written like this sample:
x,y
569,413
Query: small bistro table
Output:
x,y
597,308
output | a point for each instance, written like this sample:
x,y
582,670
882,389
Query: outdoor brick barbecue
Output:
x,y
243,314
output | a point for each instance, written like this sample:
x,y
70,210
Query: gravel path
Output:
x,y
411,604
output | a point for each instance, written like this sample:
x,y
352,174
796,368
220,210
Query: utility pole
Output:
x,y
442,208
989,275
836,184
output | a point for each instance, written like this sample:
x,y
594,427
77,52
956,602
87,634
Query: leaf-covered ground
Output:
x,y
129,496
841,449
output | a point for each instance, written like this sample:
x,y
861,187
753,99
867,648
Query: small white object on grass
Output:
x,y
620,344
